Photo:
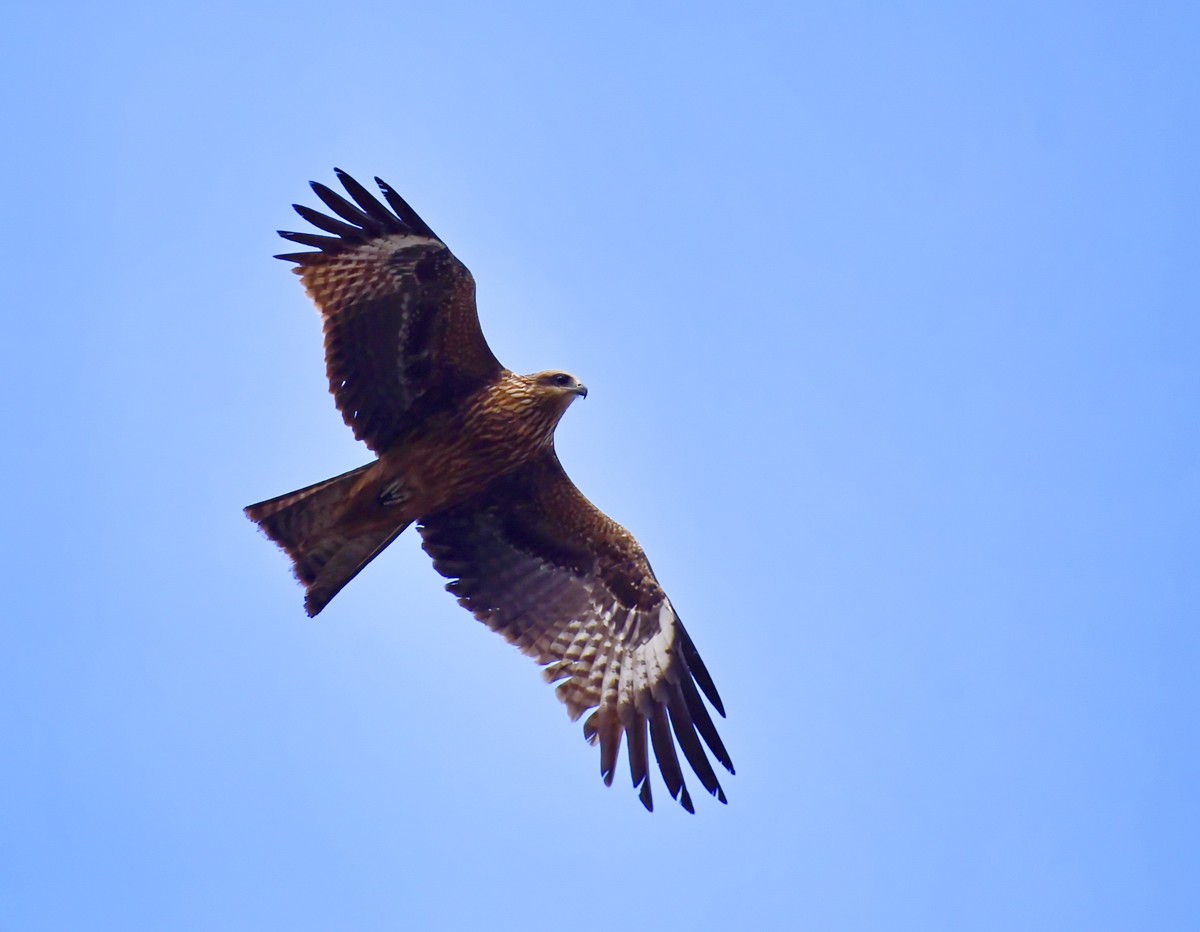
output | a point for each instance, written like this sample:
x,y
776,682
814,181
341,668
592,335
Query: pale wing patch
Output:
x,y
365,271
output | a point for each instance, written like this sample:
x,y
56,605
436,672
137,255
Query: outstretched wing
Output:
x,y
402,336
539,563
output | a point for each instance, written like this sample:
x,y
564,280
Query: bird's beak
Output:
x,y
581,391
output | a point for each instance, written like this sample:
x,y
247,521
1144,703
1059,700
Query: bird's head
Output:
x,y
557,388
538,401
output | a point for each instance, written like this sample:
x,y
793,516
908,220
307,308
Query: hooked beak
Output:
x,y
581,391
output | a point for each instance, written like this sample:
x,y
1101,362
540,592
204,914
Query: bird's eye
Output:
x,y
562,380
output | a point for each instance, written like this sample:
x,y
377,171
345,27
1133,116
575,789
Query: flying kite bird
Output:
x,y
465,448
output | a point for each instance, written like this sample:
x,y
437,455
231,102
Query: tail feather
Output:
x,y
341,559
289,519
305,523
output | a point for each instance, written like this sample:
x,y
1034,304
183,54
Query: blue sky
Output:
x,y
889,315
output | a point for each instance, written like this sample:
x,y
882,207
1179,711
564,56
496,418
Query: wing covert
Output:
x,y
402,334
538,563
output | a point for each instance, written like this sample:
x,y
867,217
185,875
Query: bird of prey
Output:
x,y
465,449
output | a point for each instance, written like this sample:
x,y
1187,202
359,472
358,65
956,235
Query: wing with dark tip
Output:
x,y
536,561
402,336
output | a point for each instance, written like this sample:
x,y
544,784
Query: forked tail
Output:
x,y
305,523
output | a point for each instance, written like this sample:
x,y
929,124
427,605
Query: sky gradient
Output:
x,y
891,323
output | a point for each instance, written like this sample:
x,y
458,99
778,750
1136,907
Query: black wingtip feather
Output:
x,y
351,213
355,222
329,225
704,723
699,671
685,734
610,746
639,765
364,198
405,213
310,239
668,760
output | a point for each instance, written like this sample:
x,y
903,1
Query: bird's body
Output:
x,y
448,459
457,454
465,448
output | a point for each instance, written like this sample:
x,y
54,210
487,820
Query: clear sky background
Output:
x,y
891,320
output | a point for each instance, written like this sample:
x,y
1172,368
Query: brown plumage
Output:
x,y
466,449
